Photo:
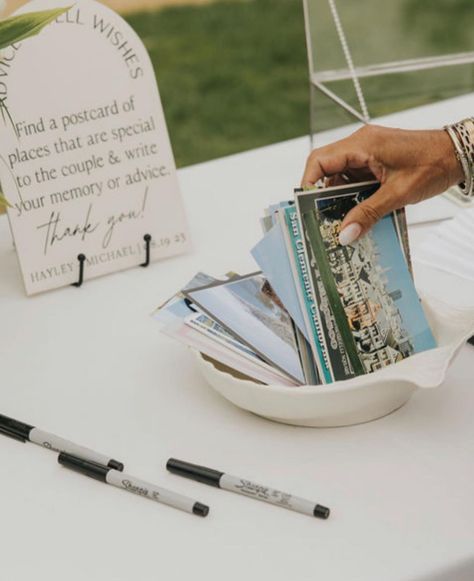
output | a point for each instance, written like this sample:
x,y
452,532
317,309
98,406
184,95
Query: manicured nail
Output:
x,y
350,234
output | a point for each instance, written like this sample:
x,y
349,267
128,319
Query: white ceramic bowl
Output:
x,y
357,400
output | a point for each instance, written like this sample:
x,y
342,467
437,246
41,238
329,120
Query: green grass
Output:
x,y
232,75
379,32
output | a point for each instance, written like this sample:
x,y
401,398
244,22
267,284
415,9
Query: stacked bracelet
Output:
x,y
462,136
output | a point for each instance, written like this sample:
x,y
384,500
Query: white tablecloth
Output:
x,y
90,365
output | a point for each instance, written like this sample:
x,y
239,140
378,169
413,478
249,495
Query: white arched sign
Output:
x,y
86,161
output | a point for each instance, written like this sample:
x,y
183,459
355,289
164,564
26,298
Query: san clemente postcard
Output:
x,y
368,284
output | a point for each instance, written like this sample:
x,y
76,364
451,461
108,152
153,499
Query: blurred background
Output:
x,y
233,74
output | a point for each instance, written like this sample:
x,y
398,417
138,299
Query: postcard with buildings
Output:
x,y
369,288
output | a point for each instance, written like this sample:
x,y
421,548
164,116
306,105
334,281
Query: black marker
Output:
x,y
26,433
132,484
246,487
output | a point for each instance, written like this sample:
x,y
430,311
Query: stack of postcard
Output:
x,y
316,312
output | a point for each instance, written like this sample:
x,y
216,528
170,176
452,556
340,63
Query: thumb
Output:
x,y
361,218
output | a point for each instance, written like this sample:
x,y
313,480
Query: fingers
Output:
x,y
361,154
336,180
352,153
322,163
361,218
348,177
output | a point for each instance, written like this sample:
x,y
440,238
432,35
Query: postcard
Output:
x,y
269,218
310,309
172,317
201,322
368,284
249,308
398,216
308,364
401,227
227,356
207,326
182,308
271,255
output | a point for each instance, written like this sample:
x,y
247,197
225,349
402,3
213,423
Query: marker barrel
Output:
x,y
26,433
132,484
58,444
272,496
246,487
155,493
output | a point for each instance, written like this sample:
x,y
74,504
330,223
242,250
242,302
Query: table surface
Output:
x,y
89,364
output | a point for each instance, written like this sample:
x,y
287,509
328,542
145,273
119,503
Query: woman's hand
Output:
x,y
411,166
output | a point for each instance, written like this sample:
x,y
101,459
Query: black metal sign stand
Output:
x,y
82,259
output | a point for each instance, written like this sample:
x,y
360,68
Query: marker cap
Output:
x,y
321,511
115,465
200,509
14,429
91,469
194,472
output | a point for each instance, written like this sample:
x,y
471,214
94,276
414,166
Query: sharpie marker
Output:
x,y
246,487
26,433
132,484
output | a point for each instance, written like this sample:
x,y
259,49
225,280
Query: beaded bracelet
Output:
x,y
462,136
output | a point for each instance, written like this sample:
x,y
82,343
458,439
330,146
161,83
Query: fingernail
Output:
x,y
350,234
